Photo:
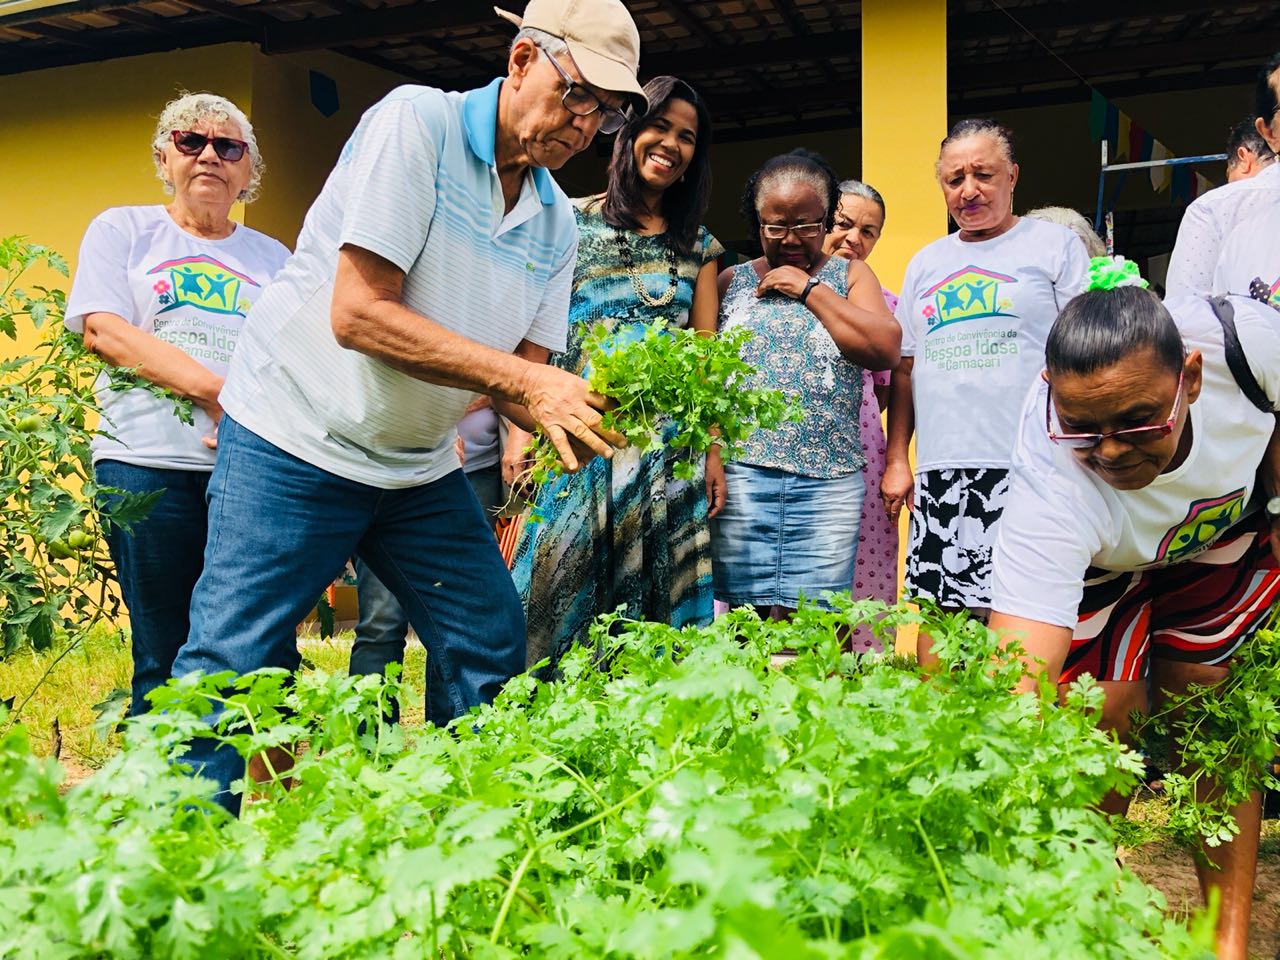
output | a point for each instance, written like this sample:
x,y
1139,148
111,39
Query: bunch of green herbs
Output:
x,y
675,387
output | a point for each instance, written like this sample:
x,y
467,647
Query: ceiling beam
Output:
x,y
121,45
1077,13
1117,60
700,60
317,33
676,10
787,128
38,14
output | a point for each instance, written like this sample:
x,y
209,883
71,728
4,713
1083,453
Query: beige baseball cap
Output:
x,y
601,36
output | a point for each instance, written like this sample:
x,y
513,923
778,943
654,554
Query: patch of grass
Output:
x,y
333,655
63,685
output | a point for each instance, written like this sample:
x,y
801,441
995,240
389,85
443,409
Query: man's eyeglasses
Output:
x,y
192,144
581,102
805,231
1134,435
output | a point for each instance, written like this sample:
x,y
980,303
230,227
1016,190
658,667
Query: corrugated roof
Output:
x,y
762,64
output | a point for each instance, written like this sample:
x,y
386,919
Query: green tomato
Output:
x,y
60,550
29,424
79,539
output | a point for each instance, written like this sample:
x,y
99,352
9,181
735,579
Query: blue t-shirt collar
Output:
x,y
480,117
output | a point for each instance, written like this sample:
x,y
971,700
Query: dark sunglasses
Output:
x,y
192,144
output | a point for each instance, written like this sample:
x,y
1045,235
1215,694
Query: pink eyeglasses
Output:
x,y
1137,435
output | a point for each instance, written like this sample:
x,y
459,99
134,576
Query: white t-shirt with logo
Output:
x,y
1209,221
1252,252
1060,518
136,263
975,316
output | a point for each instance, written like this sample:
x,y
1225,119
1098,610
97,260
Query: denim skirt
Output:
x,y
782,536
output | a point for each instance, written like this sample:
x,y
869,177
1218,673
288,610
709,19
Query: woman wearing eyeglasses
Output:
x,y
975,308
791,499
626,531
858,226
1135,542
161,291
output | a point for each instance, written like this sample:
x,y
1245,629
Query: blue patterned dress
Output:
x,y
621,532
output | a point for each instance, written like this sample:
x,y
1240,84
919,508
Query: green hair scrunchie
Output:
x,y
1107,273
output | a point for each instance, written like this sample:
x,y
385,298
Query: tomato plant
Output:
x,y
54,568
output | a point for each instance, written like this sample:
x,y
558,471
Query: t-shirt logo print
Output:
x,y
1268,293
1206,520
968,294
204,283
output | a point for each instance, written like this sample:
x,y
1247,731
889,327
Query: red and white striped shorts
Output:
x,y
1196,611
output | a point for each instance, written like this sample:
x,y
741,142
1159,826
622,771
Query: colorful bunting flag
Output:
x,y
1159,175
1128,138
1097,115
1123,130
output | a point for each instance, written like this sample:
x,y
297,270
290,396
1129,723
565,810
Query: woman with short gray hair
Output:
x,y
859,223
161,291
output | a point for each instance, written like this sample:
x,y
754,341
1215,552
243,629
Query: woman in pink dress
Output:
x,y
858,223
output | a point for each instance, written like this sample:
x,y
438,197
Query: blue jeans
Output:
x,y
382,627
157,564
281,529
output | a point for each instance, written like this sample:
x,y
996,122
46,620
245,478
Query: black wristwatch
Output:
x,y
804,294
1272,508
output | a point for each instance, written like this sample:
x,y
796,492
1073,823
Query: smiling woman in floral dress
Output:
x,y
625,532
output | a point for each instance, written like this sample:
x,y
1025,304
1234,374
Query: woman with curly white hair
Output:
x,y
161,291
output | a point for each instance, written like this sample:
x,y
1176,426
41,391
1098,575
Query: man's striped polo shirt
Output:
x,y
415,184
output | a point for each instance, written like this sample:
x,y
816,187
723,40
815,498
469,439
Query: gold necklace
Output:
x,y
637,281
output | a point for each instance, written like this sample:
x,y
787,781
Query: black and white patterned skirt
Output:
x,y
952,533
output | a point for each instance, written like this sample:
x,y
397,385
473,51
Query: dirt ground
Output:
x,y
1170,870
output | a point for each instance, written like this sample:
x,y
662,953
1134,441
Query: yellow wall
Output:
x,y
904,116
299,144
76,140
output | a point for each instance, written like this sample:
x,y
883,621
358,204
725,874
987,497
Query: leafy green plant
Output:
x,y
1226,735
677,798
676,387
54,568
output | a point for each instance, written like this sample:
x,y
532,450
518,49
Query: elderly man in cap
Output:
x,y
434,266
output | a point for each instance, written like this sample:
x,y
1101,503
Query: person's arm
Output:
x,y
880,386
121,344
705,312
1045,645
1054,523
860,324
1271,482
704,317
367,316
101,308
897,487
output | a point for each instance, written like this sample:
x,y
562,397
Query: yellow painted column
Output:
x,y
904,118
